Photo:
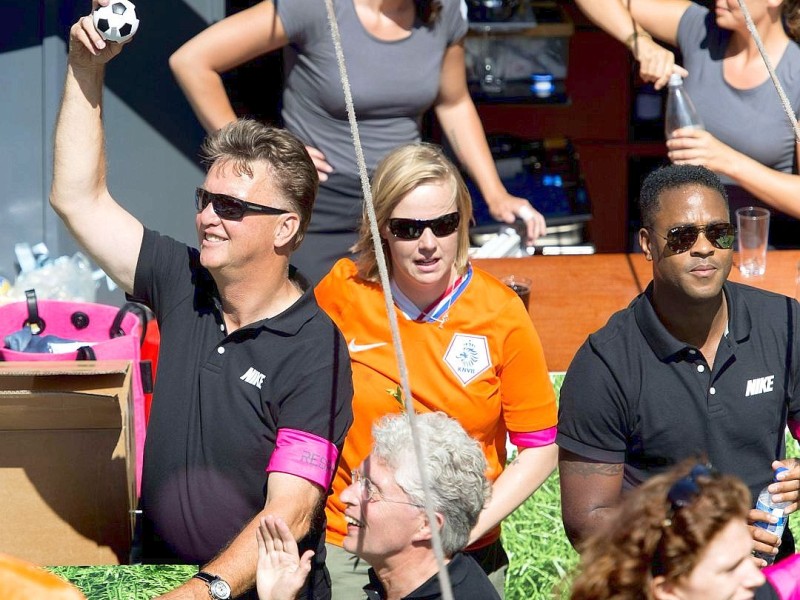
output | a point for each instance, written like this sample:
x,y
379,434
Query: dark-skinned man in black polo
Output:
x,y
695,366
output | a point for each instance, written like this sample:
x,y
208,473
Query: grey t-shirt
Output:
x,y
751,121
392,84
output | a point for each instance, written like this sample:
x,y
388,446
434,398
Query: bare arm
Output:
x,y
79,193
589,492
294,500
659,18
778,189
462,126
521,478
197,64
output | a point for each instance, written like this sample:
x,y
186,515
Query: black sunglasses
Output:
x,y
682,238
685,490
229,207
412,229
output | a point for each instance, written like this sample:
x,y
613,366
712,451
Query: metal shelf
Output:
x,y
532,19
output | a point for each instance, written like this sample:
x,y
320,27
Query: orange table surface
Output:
x,y
573,296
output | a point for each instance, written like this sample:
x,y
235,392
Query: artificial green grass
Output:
x,y
125,582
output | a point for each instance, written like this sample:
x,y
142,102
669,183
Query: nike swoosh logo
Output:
x,y
353,347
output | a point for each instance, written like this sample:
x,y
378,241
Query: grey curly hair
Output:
x,y
454,464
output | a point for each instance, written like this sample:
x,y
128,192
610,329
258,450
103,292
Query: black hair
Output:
x,y
673,177
427,10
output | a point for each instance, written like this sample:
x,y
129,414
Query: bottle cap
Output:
x,y
675,79
778,471
542,84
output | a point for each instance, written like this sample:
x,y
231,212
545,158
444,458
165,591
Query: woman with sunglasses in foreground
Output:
x,y
681,535
469,344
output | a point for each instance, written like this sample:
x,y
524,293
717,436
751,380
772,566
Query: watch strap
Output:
x,y
203,576
210,580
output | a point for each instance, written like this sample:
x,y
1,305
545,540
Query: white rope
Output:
x,y
787,106
444,578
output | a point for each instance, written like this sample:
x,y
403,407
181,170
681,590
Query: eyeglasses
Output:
x,y
412,229
682,238
370,492
229,207
685,490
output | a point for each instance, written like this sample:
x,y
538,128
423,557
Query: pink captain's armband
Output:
x,y
533,439
305,455
785,577
794,429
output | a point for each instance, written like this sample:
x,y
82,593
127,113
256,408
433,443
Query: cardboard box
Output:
x,y
67,462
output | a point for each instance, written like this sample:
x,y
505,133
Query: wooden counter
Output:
x,y
573,296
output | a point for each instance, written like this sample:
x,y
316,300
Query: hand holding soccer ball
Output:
x,y
99,36
117,21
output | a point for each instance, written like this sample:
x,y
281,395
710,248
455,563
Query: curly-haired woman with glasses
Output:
x,y
681,535
470,347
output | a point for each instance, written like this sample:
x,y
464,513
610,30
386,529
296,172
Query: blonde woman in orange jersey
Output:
x,y
470,347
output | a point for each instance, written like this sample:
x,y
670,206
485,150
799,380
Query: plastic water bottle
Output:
x,y
776,509
680,110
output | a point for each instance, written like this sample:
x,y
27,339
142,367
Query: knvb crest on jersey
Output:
x,y
467,356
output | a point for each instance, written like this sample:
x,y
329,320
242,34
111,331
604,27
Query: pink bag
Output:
x,y
111,333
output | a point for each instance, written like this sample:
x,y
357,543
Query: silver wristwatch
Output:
x,y
218,588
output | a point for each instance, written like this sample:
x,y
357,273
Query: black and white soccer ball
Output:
x,y
116,22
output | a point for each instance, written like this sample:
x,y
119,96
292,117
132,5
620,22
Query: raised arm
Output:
x,y
110,235
462,126
632,22
198,64
294,500
589,492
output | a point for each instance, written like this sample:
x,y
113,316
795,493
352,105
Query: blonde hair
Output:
x,y
399,173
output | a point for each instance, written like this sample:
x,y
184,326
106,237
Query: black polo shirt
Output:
x,y
467,580
636,395
220,400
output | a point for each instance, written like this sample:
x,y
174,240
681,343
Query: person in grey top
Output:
x,y
402,57
748,140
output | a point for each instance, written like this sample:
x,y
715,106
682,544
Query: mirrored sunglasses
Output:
x,y
412,229
682,238
229,207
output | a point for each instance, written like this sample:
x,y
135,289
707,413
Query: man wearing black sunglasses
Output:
x,y
253,392
695,365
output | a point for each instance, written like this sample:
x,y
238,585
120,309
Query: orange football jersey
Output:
x,y
480,362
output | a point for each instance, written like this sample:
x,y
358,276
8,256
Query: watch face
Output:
x,y
219,590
